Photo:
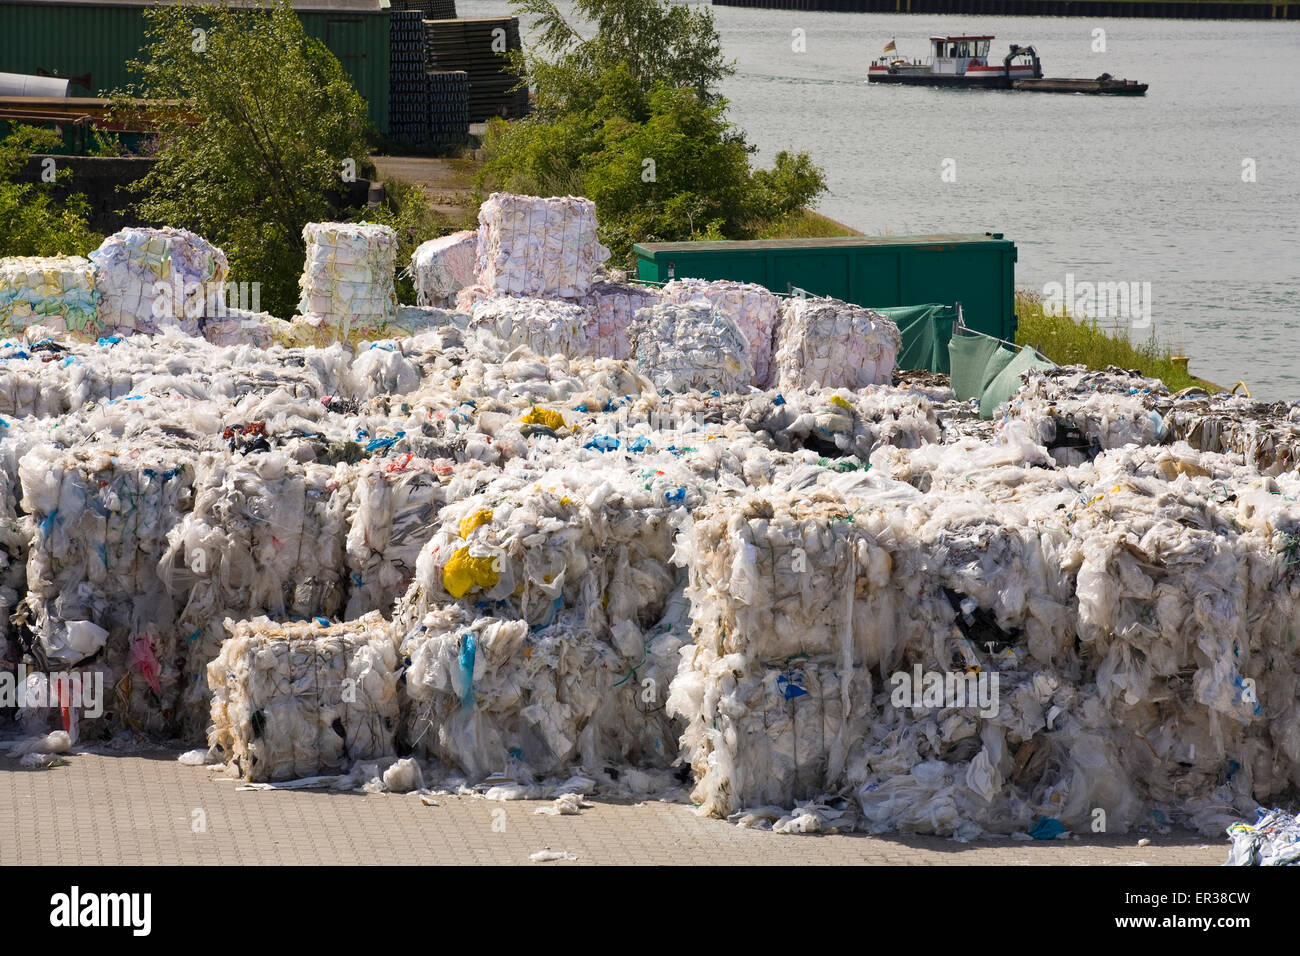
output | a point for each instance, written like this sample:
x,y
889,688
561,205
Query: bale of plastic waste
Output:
x,y
442,267
59,291
265,535
152,279
754,309
833,344
392,513
292,700
98,517
347,280
611,310
546,326
530,246
693,346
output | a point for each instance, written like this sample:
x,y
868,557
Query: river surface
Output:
x,y
1144,190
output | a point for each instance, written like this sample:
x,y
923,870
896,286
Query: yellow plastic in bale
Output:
x,y
841,401
463,572
470,522
544,416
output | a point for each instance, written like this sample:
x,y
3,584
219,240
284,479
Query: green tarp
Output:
x,y
988,369
926,330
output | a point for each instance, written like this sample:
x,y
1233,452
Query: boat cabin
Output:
x,y
954,54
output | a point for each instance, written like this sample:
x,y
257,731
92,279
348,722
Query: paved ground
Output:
x,y
145,810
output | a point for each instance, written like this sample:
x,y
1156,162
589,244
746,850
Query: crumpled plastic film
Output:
x,y
547,327
754,309
347,281
442,267
692,346
152,279
292,700
827,342
530,246
1272,840
43,291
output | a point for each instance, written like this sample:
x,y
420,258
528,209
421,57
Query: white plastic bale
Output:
x,y
485,693
754,309
153,279
292,700
830,343
265,536
58,291
692,346
98,518
530,246
442,267
547,327
347,281
611,310
392,514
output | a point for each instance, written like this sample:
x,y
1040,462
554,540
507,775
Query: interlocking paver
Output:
x,y
138,809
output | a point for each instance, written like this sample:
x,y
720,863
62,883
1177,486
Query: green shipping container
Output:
x,y
93,41
977,270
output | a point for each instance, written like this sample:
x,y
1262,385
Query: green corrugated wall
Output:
x,y
71,40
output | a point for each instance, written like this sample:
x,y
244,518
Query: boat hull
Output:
x,y
997,82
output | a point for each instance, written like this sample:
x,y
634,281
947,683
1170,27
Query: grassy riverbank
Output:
x,y
1069,342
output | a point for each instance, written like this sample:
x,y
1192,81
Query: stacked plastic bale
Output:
x,y
57,290
98,519
486,695
347,281
693,346
1185,617
266,535
611,310
154,279
567,582
546,326
776,689
833,344
841,423
292,700
442,267
530,246
392,512
1077,413
754,309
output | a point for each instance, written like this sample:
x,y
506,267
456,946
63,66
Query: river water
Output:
x,y
1144,190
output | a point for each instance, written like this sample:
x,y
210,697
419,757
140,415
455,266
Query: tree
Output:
x,y
32,222
266,129
631,118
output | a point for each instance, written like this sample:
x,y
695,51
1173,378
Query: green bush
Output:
x,y
630,118
32,221
267,129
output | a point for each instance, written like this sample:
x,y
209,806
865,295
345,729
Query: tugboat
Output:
x,y
963,61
